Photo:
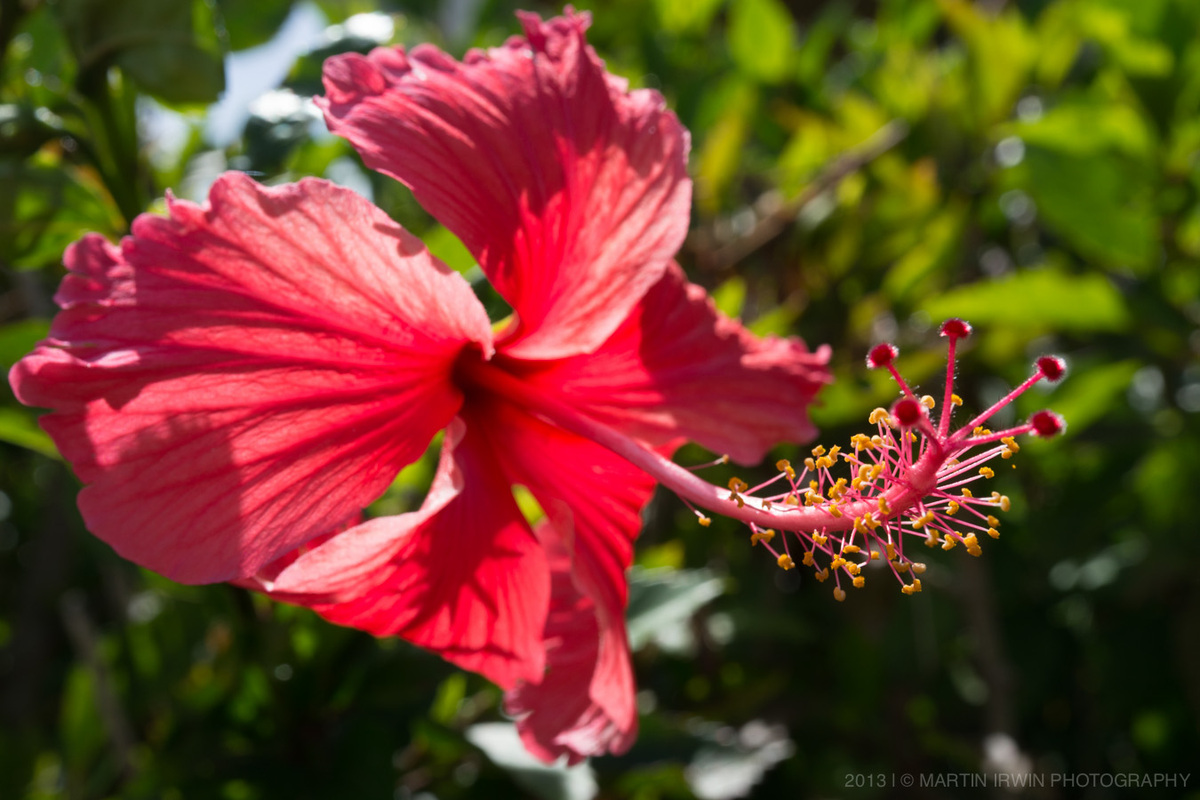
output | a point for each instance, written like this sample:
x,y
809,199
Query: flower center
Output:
x,y
908,480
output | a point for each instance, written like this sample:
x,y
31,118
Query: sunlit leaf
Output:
x,y
666,599
760,38
1090,128
19,426
1100,205
678,16
44,206
500,742
1037,299
19,338
1091,393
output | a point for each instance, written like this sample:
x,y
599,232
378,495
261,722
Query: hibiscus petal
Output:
x,y
469,582
240,377
570,190
679,369
593,499
583,706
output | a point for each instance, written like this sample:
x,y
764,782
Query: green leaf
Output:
x,y
730,296
448,248
1037,299
168,48
663,598
250,24
82,736
1102,206
19,426
502,744
1001,52
760,38
44,206
732,105
679,16
19,338
1089,393
1090,128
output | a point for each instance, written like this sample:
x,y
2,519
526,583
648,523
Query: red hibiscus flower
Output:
x,y
235,382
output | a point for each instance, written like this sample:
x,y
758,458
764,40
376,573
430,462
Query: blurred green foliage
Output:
x,y
862,170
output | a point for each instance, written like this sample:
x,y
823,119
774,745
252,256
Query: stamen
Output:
x,y
908,479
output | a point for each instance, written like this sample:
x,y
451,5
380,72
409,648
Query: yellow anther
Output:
x,y
1005,504
791,500
966,493
877,416
995,523
916,584
814,487
785,561
912,437
992,532
906,589
987,472
824,462
838,488
949,543
955,400
704,521
822,575
874,555
839,594
884,508
970,540
853,568
819,450
833,509
932,540
783,465
876,471
737,498
902,566
976,551
762,536
851,548
738,485
927,401
877,440
870,521
837,563
980,431
952,508
807,560
723,459
859,581
1011,441
813,499
820,539
833,451
918,568
810,465
891,551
